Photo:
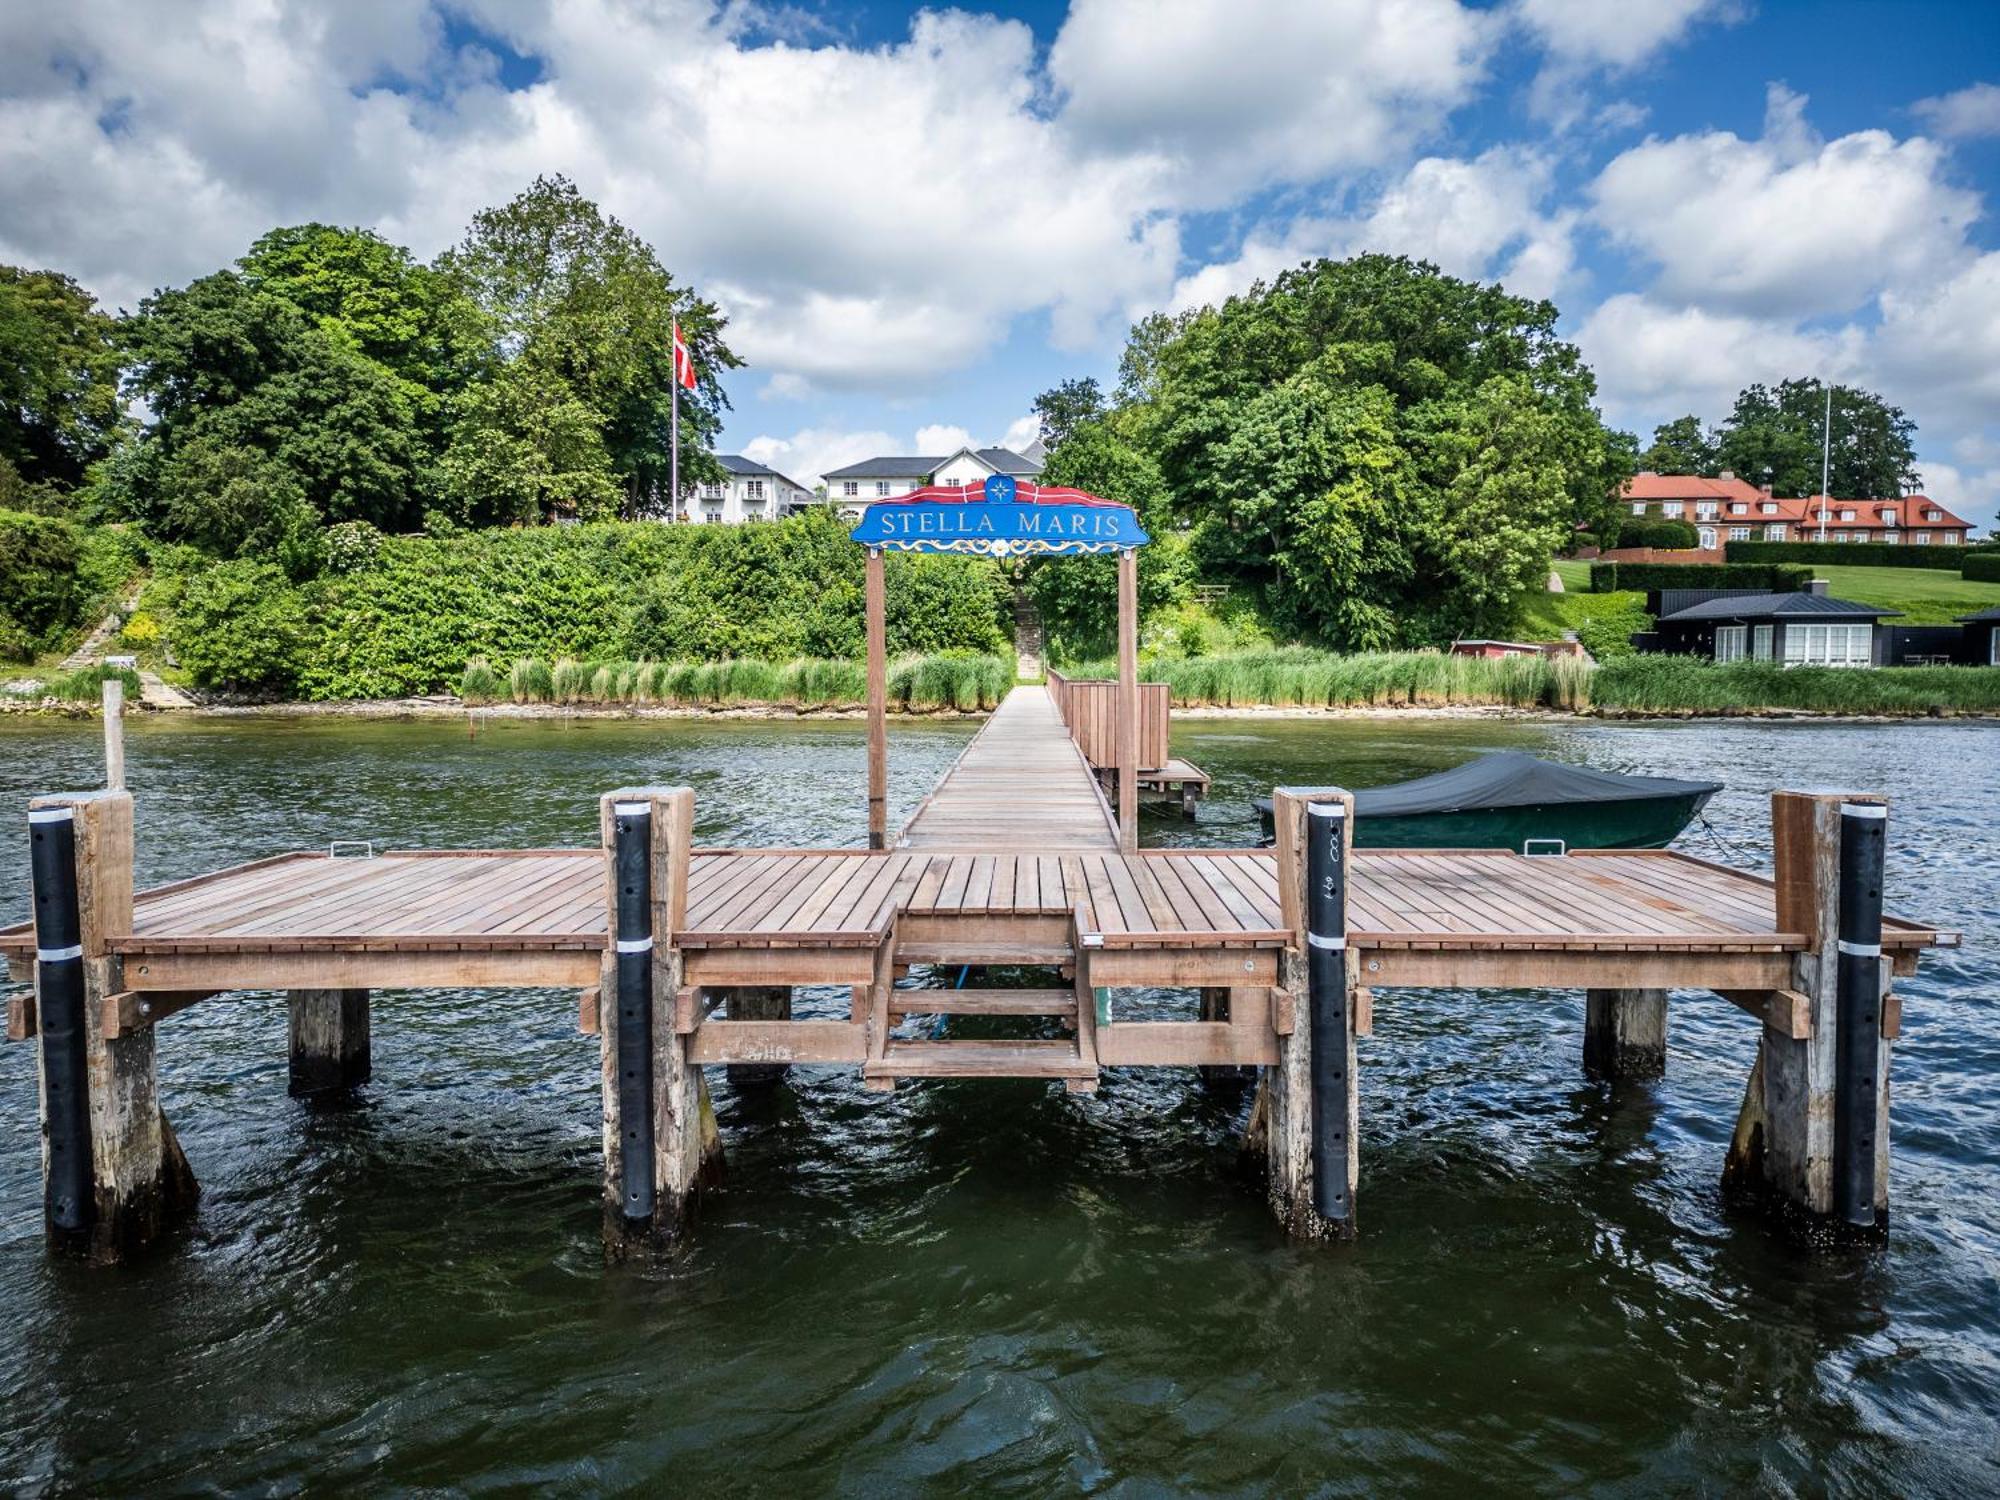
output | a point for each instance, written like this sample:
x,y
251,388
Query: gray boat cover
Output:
x,y
1509,779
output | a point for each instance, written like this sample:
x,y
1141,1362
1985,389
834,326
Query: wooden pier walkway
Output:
x,y
1021,784
1012,860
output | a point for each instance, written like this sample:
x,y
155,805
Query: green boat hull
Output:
x,y
1642,823
1635,823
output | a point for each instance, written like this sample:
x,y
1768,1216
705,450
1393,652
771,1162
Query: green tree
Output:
x,y
60,360
1775,437
1066,407
225,366
1682,446
1388,454
375,298
584,309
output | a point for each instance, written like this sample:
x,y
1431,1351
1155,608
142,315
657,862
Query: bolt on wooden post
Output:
x,y
661,1143
1312,1172
1790,1152
115,1179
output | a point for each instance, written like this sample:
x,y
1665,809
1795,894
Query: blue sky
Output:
x,y
918,219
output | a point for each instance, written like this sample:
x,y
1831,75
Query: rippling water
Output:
x,y
1000,1287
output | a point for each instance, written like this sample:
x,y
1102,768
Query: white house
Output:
x,y
752,492
858,485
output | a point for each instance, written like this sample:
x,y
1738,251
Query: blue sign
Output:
x,y
1002,518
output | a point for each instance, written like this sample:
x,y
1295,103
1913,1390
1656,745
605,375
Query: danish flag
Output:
x,y
683,361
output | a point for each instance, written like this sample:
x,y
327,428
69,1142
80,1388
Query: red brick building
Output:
x,y
1727,509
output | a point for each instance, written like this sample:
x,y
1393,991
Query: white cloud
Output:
x,y
941,440
1966,493
1966,115
1021,432
1788,223
1475,218
1592,33
1228,94
1656,359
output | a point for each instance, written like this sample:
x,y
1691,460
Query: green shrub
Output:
x,y
1670,536
962,680
242,625
1981,567
1851,554
479,683
1776,578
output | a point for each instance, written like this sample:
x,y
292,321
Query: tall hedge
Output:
x,y
39,588
1852,554
1670,536
1982,567
403,615
1774,578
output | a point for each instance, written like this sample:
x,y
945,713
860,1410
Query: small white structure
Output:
x,y
752,492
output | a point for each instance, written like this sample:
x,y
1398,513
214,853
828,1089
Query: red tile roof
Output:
x,y
1689,487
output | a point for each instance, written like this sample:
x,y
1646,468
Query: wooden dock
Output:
x,y
1013,859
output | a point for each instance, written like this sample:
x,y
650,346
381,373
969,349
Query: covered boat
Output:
x,y
1504,800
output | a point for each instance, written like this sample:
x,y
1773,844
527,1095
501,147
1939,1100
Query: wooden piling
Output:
x,y
1128,700
687,1146
1625,1033
140,1185
329,1048
1282,1116
878,703
759,1003
1782,1155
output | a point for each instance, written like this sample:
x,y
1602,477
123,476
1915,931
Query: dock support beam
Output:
x,y
1625,1033
761,1002
1306,1117
1812,1140
1128,700
114,1178
878,704
661,1144
329,1042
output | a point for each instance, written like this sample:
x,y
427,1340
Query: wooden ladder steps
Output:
x,y
1036,1059
967,1002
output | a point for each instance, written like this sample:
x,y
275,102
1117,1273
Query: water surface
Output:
x,y
1000,1287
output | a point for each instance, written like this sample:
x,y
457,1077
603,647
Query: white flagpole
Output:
x,y
1825,461
674,447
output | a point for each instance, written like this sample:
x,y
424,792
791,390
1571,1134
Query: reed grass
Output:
x,y
86,684
1681,684
915,684
1644,684
1299,677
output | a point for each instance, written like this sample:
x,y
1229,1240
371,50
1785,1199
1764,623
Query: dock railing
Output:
x,y
1089,710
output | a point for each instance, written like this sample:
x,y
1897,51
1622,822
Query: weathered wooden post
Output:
x,y
878,704
1296,1097
329,1042
1789,1148
114,1176
661,1144
1625,1033
114,733
1128,699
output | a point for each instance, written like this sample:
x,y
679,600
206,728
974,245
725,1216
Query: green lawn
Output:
x,y
1574,574
1926,596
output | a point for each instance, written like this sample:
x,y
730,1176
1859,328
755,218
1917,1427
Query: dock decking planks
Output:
x,y
1021,784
